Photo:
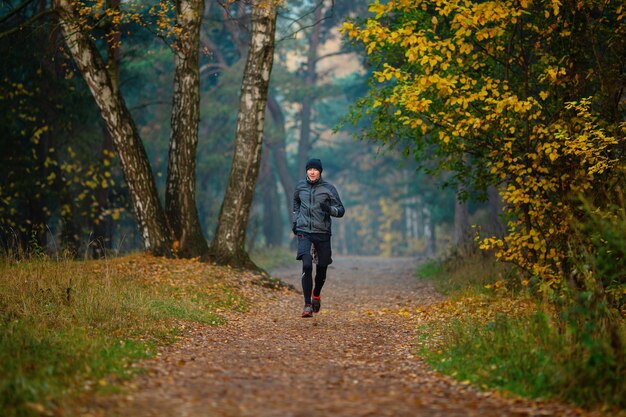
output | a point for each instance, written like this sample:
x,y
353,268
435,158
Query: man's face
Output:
x,y
313,174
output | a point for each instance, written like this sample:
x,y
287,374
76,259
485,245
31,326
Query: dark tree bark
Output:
x,y
278,150
310,79
137,173
461,222
272,226
228,246
495,226
180,194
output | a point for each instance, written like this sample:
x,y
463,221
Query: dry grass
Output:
x,y
67,325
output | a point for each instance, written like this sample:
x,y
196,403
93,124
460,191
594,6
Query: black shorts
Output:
x,y
321,242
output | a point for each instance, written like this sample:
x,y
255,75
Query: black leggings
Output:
x,y
307,278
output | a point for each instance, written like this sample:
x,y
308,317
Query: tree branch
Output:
x,y
297,21
212,69
232,28
148,104
215,52
15,11
25,23
319,58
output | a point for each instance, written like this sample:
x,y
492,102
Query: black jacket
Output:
x,y
307,214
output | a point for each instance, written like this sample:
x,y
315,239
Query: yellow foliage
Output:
x,y
569,158
544,157
391,212
160,17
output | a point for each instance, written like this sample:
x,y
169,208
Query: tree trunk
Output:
x,y
341,240
272,225
279,151
309,83
431,239
430,232
180,194
228,244
495,226
461,223
137,173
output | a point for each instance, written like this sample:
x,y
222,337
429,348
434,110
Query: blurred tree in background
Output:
x,y
79,198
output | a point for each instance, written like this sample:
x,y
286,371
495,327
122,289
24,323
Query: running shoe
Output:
x,y
308,311
316,303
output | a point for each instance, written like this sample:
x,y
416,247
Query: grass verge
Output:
x,y
466,275
497,338
272,258
67,326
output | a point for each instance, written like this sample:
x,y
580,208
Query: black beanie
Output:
x,y
314,163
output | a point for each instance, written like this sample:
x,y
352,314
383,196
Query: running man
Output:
x,y
314,202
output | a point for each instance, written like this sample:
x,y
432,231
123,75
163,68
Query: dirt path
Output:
x,y
348,360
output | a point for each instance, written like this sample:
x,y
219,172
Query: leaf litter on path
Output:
x,y
355,358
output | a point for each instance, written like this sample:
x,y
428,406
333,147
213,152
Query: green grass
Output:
x,y
42,367
68,325
500,341
272,258
167,308
530,357
430,269
462,274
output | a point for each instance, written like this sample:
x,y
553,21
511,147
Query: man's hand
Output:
x,y
325,207
293,228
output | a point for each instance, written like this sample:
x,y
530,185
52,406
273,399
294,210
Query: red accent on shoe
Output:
x,y
316,304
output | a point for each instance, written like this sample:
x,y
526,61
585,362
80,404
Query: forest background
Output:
x,y
429,117
62,185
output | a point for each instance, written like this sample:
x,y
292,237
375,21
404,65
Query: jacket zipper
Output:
x,y
310,206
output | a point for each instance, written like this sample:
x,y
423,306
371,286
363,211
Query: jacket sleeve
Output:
x,y
336,206
296,205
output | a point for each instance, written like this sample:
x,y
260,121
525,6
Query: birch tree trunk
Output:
x,y
180,193
137,173
228,246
